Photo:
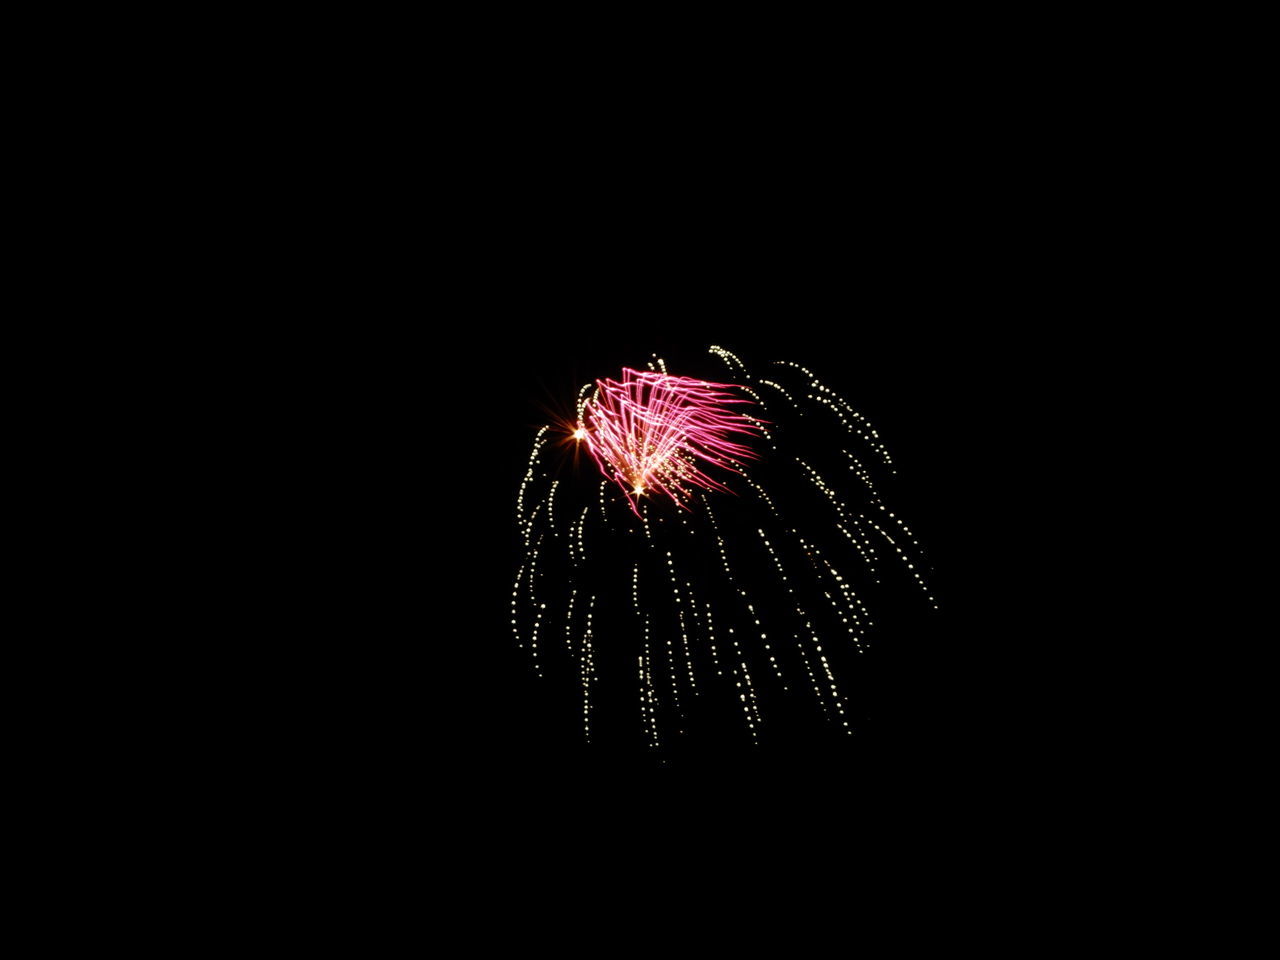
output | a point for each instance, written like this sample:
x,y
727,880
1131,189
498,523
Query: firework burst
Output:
x,y
649,432
684,571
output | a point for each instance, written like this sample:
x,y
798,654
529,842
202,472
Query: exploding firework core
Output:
x,y
650,432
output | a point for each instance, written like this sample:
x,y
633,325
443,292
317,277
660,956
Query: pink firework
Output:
x,y
651,432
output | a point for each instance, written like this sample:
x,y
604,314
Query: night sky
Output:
x,y
412,679
933,286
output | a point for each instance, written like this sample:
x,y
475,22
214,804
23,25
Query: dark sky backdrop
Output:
x,y
935,318
934,293
422,681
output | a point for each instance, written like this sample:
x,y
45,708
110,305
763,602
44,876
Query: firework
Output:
x,y
648,433
686,556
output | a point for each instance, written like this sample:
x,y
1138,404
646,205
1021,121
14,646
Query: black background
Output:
x,y
392,678
946,328
431,296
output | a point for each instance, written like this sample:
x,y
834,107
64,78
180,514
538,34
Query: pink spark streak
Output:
x,y
648,433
